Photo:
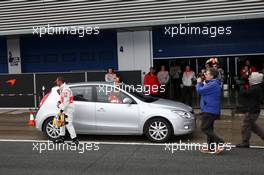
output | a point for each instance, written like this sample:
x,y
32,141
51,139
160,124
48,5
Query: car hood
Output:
x,y
164,103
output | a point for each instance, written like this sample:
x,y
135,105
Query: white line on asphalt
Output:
x,y
5,111
17,108
115,143
17,112
15,140
99,142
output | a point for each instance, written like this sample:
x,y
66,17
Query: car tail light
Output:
x,y
44,99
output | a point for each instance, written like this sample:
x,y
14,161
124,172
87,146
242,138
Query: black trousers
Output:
x,y
207,128
154,95
249,125
176,88
188,95
166,92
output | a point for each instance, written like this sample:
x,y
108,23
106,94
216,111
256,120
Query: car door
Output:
x,y
84,113
112,115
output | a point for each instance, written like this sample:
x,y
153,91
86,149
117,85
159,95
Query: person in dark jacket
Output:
x,y
253,97
210,92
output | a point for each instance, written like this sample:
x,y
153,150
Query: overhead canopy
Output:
x,y
19,17
246,37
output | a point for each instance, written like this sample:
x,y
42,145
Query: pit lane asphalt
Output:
x,y
22,158
13,125
122,154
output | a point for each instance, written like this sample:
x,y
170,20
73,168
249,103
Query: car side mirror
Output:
x,y
127,101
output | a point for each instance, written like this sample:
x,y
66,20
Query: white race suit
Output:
x,y
66,105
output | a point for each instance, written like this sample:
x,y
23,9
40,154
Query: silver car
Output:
x,y
107,109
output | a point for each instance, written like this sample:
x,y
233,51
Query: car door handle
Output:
x,y
101,110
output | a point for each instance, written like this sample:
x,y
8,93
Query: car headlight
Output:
x,y
183,114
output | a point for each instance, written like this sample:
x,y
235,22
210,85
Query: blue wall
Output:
x,y
68,53
247,37
3,56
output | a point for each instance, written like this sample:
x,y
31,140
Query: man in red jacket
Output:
x,y
151,82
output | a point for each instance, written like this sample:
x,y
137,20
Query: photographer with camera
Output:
x,y
210,92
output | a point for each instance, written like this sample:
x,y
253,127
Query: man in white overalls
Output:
x,y
66,106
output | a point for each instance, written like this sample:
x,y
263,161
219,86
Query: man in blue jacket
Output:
x,y
210,92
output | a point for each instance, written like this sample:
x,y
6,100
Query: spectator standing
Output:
x,y
151,82
110,76
244,74
221,73
175,73
245,71
251,67
164,77
188,78
213,62
207,66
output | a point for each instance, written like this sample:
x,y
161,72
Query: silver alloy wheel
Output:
x,y
52,131
158,130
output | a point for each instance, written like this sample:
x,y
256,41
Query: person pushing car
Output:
x,y
66,107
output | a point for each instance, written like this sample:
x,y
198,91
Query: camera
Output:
x,y
201,75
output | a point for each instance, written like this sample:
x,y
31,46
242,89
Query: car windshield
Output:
x,y
140,95
143,97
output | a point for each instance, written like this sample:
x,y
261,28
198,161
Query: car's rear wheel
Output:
x,y
158,130
50,130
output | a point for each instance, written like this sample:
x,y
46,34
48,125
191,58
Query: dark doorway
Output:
x,y
231,66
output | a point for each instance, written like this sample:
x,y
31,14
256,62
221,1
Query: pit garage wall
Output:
x,y
27,90
134,50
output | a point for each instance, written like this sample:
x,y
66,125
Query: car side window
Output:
x,y
109,94
82,93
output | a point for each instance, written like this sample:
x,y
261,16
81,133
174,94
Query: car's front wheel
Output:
x,y
158,130
50,130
